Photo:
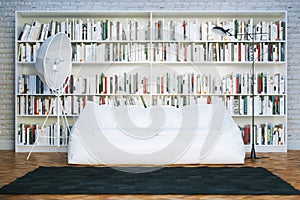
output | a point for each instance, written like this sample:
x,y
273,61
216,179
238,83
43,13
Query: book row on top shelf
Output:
x,y
162,29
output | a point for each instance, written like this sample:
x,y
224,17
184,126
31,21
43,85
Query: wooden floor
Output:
x,y
14,165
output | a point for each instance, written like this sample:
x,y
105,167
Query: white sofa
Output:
x,y
157,135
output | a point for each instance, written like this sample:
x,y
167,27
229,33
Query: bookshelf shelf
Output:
x,y
158,58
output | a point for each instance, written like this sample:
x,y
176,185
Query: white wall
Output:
x,y
7,20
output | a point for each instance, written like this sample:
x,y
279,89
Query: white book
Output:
x,y
282,85
97,31
80,29
28,52
234,85
280,25
275,53
44,32
63,27
32,84
259,135
282,106
127,29
250,27
31,33
120,32
217,52
235,52
274,32
264,31
34,51
89,29
195,52
114,29
22,53
179,30
243,52
77,36
179,52
25,32
53,28
75,105
203,31
67,105
209,30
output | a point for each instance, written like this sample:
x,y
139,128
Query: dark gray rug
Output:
x,y
168,180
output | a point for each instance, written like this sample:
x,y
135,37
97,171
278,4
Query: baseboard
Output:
x,y
293,145
7,144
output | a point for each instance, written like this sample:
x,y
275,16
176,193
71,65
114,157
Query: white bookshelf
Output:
x,y
176,65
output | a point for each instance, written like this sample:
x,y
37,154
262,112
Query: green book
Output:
x,y
143,101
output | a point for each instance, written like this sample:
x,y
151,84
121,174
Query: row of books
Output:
x,y
40,106
126,83
125,52
165,83
180,101
163,29
181,29
36,105
121,101
88,30
31,84
27,52
243,52
264,134
113,52
264,83
195,29
176,52
73,105
30,134
187,83
264,105
263,30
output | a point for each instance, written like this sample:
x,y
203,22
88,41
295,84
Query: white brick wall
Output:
x,y
7,20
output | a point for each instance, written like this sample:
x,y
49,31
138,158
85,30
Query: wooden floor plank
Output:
x,y
14,165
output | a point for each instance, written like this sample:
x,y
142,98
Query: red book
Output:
x,y
158,28
145,85
105,85
246,134
259,85
193,82
84,102
239,52
258,52
184,29
36,106
237,84
208,100
67,85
